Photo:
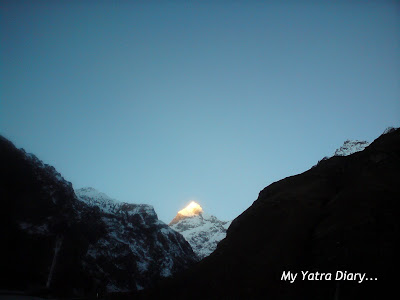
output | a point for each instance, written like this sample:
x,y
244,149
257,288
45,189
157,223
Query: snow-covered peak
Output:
x,y
93,197
202,231
350,147
89,192
107,204
192,209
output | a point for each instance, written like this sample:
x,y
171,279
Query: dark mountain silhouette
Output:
x,y
341,215
54,243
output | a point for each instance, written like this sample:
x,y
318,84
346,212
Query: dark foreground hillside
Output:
x,y
56,245
341,215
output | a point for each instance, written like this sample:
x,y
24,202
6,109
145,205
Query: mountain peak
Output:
x,y
192,209
202,231
93,193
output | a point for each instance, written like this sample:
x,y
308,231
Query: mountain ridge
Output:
x,y
59,244
341,215
202,231
351,146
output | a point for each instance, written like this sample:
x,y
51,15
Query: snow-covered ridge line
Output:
x,y
106,204
91,192
349,147
352,146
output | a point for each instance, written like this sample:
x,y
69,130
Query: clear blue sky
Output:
x,y
162,103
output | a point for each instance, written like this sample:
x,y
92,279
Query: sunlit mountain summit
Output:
x,y
192,209
202,231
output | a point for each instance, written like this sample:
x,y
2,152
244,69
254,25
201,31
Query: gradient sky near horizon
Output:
x,y
164,103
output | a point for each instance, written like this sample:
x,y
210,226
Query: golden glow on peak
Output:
x,y
192,209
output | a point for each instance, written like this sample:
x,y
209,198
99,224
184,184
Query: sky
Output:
x,y
167,102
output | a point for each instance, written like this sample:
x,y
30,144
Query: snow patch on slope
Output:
x,y
349,147
92,197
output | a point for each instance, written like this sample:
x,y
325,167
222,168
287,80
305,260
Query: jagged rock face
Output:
x,y
65,246
350,147
135,239
203,232
341,215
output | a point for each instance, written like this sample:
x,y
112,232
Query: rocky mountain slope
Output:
x,y
66,245
340,216
135,239
202,231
